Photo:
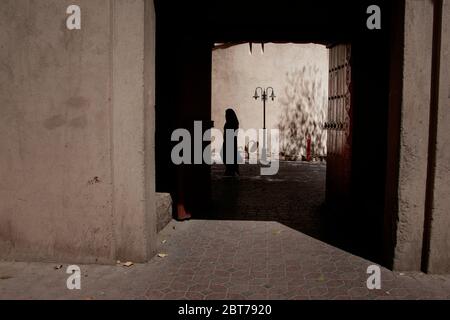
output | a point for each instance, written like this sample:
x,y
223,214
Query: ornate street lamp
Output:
x,y
264,96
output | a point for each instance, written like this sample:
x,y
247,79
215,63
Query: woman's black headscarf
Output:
x,y
231,120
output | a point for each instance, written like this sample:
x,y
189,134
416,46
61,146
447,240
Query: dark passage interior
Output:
x,y
352,215
293,197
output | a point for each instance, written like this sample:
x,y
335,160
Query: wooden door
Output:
x,y
339,124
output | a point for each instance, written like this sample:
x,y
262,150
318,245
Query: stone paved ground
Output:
x,y
295,197
225,260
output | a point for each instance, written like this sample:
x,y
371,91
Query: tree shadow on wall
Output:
x,y
304,110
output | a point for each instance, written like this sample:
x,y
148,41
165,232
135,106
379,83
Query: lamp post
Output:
x,y
264,96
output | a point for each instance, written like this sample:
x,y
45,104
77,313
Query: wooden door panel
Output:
x,y
338,125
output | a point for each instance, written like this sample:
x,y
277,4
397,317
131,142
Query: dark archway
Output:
x,y
186,33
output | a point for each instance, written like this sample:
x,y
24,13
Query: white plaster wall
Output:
x,y
297,72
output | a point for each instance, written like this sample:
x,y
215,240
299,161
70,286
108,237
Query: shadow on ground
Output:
x,y
295,197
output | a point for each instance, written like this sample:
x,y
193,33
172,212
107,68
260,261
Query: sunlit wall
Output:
x,y
299,75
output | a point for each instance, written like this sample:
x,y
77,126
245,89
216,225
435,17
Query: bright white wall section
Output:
x,y
299,75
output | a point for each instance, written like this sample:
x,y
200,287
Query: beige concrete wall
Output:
x,y
439,256
163,210
299,75
151,219
73,153
133,146
414,133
